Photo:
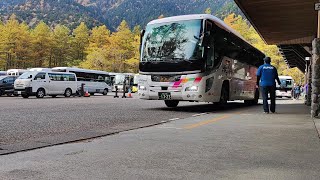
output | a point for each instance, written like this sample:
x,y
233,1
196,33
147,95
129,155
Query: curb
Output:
x,y
317,125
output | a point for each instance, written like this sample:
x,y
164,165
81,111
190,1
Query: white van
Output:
x,y
40,84
16,72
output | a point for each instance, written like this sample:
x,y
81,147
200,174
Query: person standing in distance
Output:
x,y
266,78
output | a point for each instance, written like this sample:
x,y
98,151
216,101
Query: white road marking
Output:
x,y
174,119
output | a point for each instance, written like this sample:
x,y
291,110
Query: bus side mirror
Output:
x,y
141,37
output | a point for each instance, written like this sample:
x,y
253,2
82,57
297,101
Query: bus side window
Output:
x,y
210,45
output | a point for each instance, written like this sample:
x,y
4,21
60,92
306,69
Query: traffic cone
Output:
x,y
129,93
87,94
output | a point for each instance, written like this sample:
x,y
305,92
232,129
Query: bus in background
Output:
x,y
40,84
16,72
119,80
95,81
197,58
135,85
40,69
2,73
285,90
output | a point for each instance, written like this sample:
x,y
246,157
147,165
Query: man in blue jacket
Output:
x,y
267,76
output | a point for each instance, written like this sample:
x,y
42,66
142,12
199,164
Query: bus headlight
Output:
x,y
142,88
192,88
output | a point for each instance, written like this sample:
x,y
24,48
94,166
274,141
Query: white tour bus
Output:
x,y
40,69
196,58
16,72
285,90
95,81
118,81
40,84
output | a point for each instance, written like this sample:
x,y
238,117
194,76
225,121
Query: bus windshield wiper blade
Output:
x,y
182,59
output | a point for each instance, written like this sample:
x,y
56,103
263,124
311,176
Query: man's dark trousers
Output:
x,y
265,91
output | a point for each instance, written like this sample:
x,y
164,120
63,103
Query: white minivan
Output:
x,y
40,84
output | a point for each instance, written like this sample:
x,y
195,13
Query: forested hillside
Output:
x,y
108,12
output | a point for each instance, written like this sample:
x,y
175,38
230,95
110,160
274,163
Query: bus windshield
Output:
x,y
173,41
285,83
119,79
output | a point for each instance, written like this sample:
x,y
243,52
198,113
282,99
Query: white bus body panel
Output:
x,y
241,78
94,87
90,86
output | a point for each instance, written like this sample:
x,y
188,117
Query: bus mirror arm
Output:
x,y
141,37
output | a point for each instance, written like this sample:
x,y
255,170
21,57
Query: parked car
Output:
x,y
7,85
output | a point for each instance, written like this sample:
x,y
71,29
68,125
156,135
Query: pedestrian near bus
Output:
x,y
297,91
267,75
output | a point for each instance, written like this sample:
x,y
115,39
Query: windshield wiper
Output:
x,y
182,59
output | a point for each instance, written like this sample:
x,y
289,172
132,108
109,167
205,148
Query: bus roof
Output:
x,y
39,69
81,70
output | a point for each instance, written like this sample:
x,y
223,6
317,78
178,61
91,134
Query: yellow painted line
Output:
x,y
239,112
202,123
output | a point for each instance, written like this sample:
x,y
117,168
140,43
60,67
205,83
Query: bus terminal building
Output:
x,y
294,26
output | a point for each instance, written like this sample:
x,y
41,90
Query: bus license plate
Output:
x,y
164,95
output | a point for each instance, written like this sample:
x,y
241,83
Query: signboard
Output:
x,y
317,6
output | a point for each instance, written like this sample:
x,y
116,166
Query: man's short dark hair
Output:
x,y
267,60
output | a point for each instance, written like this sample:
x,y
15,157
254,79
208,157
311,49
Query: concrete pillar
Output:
x,y
315,97
309,80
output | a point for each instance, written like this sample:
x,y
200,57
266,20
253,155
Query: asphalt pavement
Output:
x,y
240,143
33,123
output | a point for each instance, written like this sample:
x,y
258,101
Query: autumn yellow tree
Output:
x,y
121,47
61,46
42,42
80,41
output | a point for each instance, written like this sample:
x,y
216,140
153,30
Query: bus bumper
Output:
x,y
179,96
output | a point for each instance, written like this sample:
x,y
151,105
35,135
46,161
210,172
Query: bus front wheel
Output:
x,y
171,103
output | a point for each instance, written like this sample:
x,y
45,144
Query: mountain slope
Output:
x,y
109,12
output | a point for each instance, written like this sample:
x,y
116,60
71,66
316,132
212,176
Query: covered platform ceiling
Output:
x,y
290,24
